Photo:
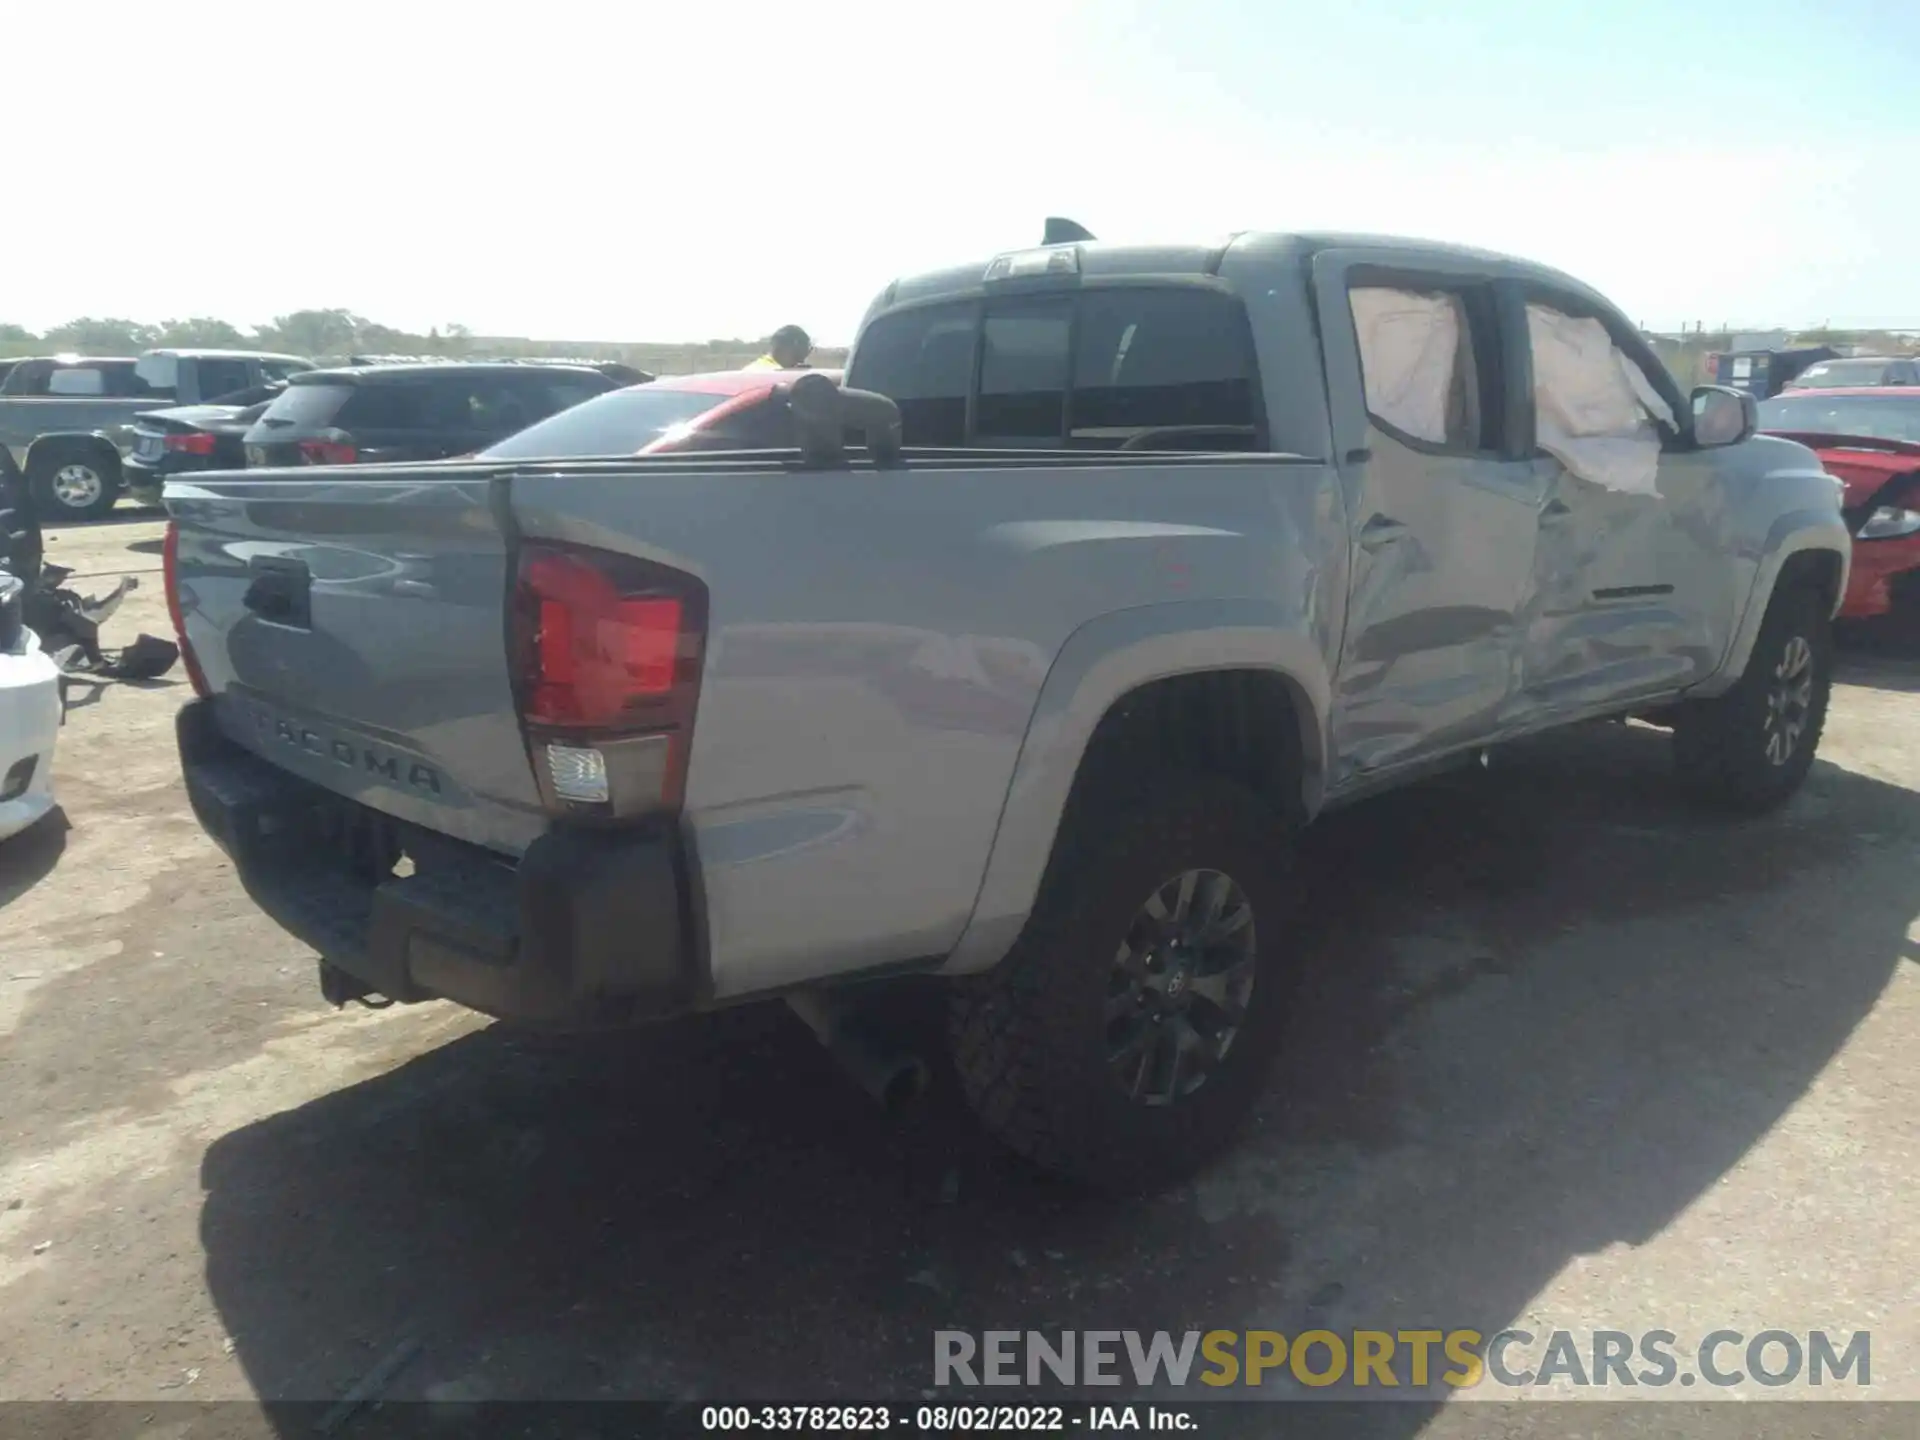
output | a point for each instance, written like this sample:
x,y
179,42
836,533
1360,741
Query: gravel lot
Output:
x,y
1570,1055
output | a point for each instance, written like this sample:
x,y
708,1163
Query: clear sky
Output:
x,y
666,170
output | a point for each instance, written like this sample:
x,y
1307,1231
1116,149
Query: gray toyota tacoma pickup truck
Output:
x,y
1185,545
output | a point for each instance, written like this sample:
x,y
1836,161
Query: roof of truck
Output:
x,y
1100,257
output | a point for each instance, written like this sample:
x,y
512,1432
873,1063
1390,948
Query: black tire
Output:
x,y
1742,750
20,541
1032,1038
54,479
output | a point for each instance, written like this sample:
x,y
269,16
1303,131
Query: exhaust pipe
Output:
x,y
893,1077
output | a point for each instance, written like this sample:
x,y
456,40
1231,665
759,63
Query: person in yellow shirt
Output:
x,y
787,350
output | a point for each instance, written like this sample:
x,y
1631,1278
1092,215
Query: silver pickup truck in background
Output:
x,y
67,420
1185,545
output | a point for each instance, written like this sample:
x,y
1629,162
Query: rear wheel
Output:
x,y
72,485
1124,1040
1751,748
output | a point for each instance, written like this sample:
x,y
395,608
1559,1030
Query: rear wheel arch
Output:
x,y
74,476
1251,725
95,449
1256,725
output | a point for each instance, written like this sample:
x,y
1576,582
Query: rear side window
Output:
x,y
923,360
410,404
617,423
1163,359
1097,370
76,380
308,407
557,395
221,377
1417,360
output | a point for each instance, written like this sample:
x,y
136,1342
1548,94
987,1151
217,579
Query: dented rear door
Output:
x,y
1444,516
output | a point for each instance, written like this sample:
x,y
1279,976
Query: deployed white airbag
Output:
x,y
1594,410
1409,344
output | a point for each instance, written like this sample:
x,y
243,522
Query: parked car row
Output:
x,y
86,429
69,420
1869,439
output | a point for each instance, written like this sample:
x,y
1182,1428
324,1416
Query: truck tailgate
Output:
x,y
352,629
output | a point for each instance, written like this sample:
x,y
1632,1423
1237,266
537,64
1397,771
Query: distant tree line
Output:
x,y
336,334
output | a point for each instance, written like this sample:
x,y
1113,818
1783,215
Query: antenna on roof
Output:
x,y
1061,231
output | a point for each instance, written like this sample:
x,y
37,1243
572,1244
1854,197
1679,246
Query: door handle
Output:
x,y
1381,530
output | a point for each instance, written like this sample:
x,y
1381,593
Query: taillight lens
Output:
x,y
327,452
608,652
170,570
197,444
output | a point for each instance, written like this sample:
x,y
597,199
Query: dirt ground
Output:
x,y
1570,1055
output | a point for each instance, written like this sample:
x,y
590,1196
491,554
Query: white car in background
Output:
x,y
29,718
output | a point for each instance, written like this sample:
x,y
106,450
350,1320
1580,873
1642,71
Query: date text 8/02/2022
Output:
x,y
1459,1359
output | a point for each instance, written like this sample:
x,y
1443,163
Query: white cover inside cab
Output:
x,y
1594,409
1409,344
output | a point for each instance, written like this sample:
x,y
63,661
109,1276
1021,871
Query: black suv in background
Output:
x,y
432,411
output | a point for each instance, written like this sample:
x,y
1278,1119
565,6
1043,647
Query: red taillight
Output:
x,y
327,452
197,444
170,570
610,640
608,653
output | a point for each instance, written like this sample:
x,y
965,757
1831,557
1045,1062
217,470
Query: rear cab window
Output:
x,y
1136,365
216,378
77,379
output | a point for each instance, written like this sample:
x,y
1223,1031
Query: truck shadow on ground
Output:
x,y
30,856
1543,1010
1883,653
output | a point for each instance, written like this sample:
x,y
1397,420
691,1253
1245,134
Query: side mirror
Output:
x,y
1723,416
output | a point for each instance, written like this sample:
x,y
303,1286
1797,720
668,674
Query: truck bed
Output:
x,y
877,643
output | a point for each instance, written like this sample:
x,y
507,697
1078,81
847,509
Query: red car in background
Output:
x,y
1869,439
723,410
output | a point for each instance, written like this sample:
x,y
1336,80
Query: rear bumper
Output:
x,y
585,930
1883,574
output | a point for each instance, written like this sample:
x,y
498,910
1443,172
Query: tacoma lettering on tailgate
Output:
x,y
354,755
